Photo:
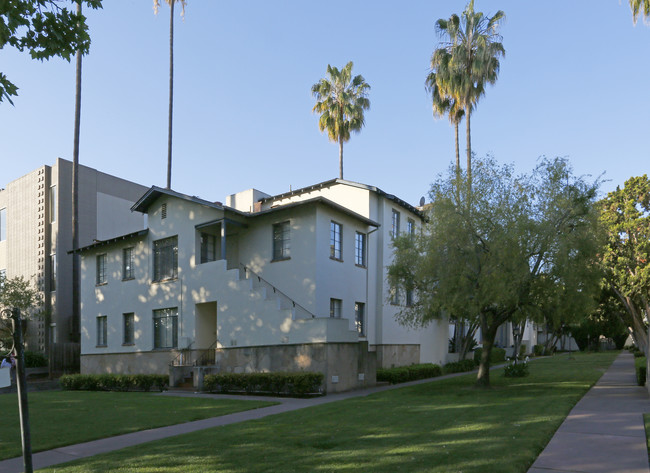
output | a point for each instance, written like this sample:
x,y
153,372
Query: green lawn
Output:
x,y
60,418
442,426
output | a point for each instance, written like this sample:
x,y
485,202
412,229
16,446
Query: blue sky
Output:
x,y
574,83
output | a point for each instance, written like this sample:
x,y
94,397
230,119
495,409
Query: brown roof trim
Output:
x,y
110,241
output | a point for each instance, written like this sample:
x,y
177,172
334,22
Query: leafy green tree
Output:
x,y
440,83
474,46
341,100
626,259
16,292
522,239
636,6
156,6
45,29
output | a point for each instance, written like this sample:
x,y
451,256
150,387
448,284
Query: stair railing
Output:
x,y
275,289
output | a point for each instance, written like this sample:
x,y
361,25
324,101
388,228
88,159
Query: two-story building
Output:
x,y
290,282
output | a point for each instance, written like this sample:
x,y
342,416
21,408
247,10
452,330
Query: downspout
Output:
x,y
367,278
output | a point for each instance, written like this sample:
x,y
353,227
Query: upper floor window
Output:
x,y
336,308
360,249
281,240
52,204
336,243
165,259
208,248
101,269
394,230
53,272
128,258
410,227
3,224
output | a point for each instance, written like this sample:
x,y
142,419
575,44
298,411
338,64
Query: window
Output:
x,y
52,204
281,241
394,296
163,211
410,227
165,328
165,259
128,329
53,272
359,315
394,231
336,248
3,276
102,326
409,297
128,258
3,224
336,307
208,248
360,249
101,269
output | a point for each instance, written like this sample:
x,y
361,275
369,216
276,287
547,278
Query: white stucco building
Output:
x,y
287,282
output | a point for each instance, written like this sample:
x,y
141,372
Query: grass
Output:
x,y
442,426
59,418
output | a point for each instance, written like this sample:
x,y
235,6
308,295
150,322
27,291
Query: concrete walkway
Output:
x,y
604,432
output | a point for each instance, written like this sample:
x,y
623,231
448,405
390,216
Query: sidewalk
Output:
x,y
604,432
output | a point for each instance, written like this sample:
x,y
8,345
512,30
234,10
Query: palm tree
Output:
x,y
636,5
440,83
474,46
341,100
156,5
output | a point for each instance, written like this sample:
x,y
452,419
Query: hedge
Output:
x,y
459,366
35,359
538,350
113,382
497,355
403,374
300,383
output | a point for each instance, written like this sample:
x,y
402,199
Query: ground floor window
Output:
x,y
165,328
359,317
129,330
102,328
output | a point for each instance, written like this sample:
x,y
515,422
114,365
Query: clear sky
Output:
x,y
574,83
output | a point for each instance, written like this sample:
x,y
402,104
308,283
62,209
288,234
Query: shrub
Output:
x,y
641,375
301,383
496,355
518,370
538,350
403,374
113,382
459,366
522,351
35,359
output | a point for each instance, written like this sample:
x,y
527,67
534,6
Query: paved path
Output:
x,y
604,432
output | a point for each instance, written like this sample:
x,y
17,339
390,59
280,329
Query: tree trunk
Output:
x,y
457,150
76,280
469,149
341,158
636,314
471,331
489,333
171,94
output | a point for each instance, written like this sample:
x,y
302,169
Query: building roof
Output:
x,y
142,205
110,241
333,182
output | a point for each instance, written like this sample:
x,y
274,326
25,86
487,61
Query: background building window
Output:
x,y
101,269
52,204
102,327
208,248
53,272
128,258
3,224
394,231
165,259
336,308
336,248
409,297
128,328
359,317
165,328
281,240
394,295
360,249
410,227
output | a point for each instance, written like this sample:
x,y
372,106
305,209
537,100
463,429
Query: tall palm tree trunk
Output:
x,y
341,158
171,94
76,283
457,149
469,149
